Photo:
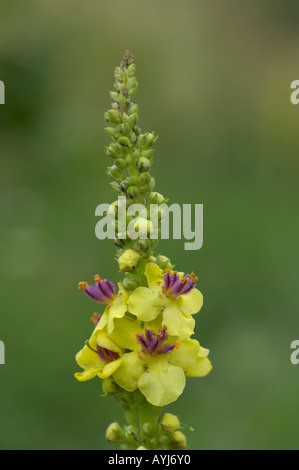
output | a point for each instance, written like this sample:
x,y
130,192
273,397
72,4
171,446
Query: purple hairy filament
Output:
x,y
106,355
175,286
103,291
154,343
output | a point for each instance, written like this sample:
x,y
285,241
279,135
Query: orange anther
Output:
x,y
97,278
177,344
82,285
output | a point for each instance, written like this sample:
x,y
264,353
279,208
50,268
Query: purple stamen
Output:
x,y
174,286
152,343
106,354
103,291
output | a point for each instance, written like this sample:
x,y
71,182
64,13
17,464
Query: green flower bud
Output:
x,y
123,186
122,100
147,153
130,283
114,172
132,83
120,163
133,108
111,131
114,95
156,198
164,263
114,433
170,422
133,120
145,178
178,440
112,116
109,387
124,141
152,259
119,243
151,184
147,429
143,164
128,260
132,192
131,70
132,91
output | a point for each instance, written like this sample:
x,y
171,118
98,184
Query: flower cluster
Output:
x,y
143,338
142,344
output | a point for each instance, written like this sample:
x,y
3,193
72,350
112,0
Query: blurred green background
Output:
x,y
214,83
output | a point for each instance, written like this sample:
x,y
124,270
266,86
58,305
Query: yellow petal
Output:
x,y
178,323
201,368
145,304
154,275
162,383
192,302
129,372
87,374
124,331
110,368
104,341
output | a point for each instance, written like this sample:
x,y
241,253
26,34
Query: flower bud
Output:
x,y
145,178
111,131
130,283
132,192
114,433
133,108
125,141
128,260
109,387
141,448
144,227
156,198
122,100
143,164
133,120
112,116
131,70
170,422
114,95
120,163
123,186
114,172
147,428
178,440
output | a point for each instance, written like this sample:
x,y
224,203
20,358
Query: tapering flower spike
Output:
x,y
172,293
104,292
157,364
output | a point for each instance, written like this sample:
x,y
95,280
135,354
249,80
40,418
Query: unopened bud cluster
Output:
x,y
132,154
166,435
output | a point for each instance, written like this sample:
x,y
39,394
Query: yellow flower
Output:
x,y
156,363
99,357
171,292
